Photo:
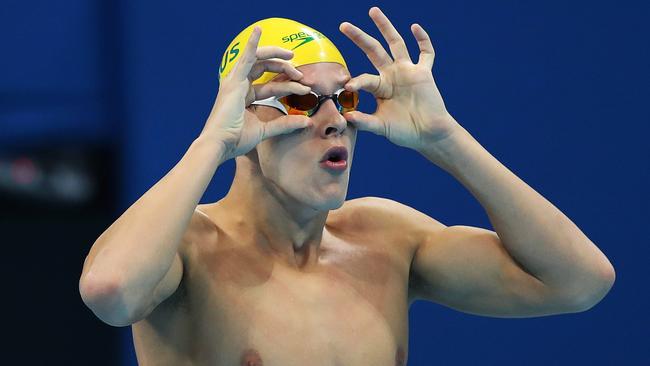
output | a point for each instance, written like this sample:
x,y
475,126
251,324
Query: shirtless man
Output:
x,y
283,271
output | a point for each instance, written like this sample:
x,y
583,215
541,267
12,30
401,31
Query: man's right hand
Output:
x,y
231,122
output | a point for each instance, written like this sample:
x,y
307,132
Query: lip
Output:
x,y
335,150
341,152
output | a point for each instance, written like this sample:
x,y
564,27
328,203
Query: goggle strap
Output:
x,y
271,102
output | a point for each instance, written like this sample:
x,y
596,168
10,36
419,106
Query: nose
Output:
x,y
329,120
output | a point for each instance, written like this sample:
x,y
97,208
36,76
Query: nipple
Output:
x,y
251,357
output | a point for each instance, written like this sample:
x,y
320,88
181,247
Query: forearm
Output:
x,y
544,241
137,250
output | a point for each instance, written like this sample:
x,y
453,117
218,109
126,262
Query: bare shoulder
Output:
x,y
202,218
202,226
388,217
200,230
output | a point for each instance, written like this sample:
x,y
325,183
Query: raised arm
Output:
x,y
134,265
536,262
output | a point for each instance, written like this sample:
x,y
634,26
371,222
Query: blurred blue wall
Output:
x,y
58,72
556,90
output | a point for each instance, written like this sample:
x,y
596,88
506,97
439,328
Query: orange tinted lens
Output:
x,y
300,102
348,99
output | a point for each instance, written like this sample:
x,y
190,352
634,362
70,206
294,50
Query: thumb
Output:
x,y
283,125
366,122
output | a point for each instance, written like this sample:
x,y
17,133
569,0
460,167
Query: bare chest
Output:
x,y
240,308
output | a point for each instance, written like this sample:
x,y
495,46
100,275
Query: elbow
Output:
x,y
106,298
598,288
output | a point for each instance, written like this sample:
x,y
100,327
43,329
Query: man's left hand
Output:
x,y
410,110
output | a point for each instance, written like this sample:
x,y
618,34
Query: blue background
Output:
x,y
556,90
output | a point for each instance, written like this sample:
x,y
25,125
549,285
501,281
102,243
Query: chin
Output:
x,y
322,201
334,204
320,198
328,203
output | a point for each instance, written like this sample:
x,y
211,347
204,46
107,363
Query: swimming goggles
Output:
x,y
308,104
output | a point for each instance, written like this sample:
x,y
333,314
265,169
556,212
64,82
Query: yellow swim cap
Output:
x,y
308,45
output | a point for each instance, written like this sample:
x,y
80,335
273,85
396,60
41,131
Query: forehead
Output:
x,y
322,77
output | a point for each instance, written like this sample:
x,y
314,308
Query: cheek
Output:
x,y
353,138
284,157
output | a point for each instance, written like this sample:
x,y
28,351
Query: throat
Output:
x,y
305,255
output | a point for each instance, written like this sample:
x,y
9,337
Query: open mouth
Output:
x,y
335,158
335,154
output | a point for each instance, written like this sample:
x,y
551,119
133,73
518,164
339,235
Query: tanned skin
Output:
x,y
284,271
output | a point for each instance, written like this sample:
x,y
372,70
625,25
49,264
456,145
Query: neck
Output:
x,y
290,230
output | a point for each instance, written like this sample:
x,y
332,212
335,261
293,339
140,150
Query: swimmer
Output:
x,y
283,270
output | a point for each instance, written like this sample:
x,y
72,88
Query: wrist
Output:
x,y
444,151
210,147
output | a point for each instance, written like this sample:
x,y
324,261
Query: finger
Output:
x,y
279,89
366,122
283,125
395,41
427,54
279,66
367,82
266,52
370,46
248,59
